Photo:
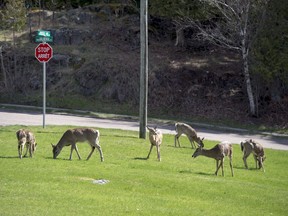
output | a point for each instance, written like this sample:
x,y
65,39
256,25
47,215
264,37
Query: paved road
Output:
x,y
36,119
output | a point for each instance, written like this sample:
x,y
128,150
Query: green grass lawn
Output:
x,y
178,185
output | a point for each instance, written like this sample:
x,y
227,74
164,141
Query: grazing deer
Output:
x,y
72,136
182,128
251,146
155,137
26,138
218,152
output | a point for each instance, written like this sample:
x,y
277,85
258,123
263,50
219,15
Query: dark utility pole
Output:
x,y
143,68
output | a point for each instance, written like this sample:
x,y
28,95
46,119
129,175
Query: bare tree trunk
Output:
x,y
245,54
180,39
235,32
248,82
3,69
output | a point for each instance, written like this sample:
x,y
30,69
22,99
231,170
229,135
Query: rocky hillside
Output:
x,y
96,56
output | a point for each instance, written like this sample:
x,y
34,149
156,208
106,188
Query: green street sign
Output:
x,y
44,33
41,39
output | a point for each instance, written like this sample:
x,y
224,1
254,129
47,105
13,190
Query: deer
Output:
x,y
73,136
251,146
182,128
218,152
155,137
26,138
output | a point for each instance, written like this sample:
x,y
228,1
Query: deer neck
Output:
x,y
62,142
208,153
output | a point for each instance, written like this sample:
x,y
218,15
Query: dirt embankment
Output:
x,y
96,54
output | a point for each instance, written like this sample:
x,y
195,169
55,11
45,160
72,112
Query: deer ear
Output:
x,y
201,145
53,146
203,138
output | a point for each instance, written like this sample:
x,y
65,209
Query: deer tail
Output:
x,y
242,146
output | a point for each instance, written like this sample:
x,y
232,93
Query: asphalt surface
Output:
x,y
234,136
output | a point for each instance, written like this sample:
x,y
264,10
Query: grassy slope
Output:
x,y
179,185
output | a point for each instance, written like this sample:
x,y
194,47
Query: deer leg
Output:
x,y
192,142
245,156
20,150
222,166
149,151
261,163
76,149
177,140
92,150
27,147
231,166
158,152
99,149
100,152
72,147
256,161
217,167
30,150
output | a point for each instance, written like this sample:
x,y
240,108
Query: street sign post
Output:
x,y
43,36
39,39
43,53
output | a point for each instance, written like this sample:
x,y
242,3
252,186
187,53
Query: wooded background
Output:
x,y
250,80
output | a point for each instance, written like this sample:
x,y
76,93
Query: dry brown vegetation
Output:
x,y
99,60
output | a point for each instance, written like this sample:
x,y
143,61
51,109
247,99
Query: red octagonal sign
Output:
x,y
43,52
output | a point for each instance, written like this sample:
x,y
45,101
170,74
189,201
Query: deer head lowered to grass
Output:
x,y
26,138
218,152
182,128
251,146
72,136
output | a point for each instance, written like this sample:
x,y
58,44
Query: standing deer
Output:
x,y
155,137
182,128
218,152
26,138
251,146
72,136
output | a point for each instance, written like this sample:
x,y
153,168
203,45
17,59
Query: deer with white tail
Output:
x,y
251,146
73,136
218,152
26,138
182,128
155,137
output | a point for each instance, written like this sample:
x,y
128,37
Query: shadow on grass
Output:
x,y
185,171
199,173
124,136
182,147
10,157
61,159
206,174
140,158
243,168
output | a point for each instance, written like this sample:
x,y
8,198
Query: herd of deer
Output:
x,y
72,136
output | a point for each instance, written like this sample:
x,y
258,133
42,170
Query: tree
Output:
x,y
233,25
13,18
176,10
270,55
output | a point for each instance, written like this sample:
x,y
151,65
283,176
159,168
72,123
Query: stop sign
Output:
x,y
43,52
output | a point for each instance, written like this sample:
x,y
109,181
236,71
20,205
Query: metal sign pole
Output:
x,y
44,93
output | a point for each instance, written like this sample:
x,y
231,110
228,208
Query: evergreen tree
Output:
x,y
13,16
270,52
